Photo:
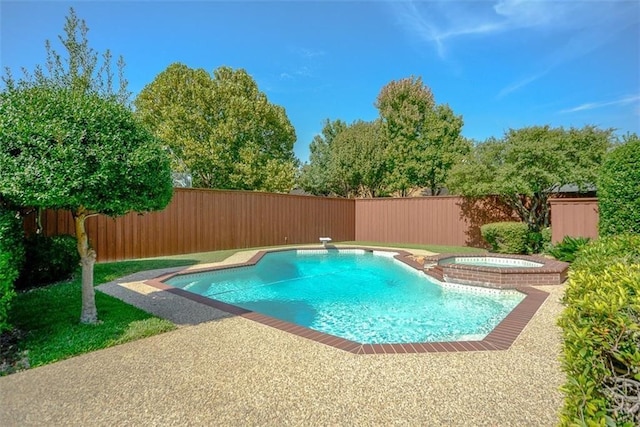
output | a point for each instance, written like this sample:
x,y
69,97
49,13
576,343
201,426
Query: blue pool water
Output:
x,y
362,296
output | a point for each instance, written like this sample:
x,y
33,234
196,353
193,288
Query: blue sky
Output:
x,y
500,64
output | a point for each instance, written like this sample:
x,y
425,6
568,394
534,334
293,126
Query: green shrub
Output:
x,y
597,255
618,189
11,259
546,236
567,249
601,329
8,274
506,237
48,260
534,242
537,241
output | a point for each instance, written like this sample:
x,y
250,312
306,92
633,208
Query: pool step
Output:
x,y
436,272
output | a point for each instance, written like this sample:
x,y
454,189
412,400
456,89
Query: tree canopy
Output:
x,y
412,146
64,150
424,138
220,128
78,67
314,176
530,165
357,164
347,160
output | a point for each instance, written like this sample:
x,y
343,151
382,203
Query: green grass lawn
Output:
x,y
48,317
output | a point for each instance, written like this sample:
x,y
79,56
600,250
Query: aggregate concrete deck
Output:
x,y
220,370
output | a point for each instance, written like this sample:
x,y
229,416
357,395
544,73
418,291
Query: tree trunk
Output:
x,y
39,221
89,312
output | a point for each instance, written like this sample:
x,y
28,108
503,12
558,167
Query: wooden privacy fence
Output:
x,y
457,221
574,217
445,220
199,220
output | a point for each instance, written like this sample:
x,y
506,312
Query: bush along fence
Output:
x,y
601,327
11,260
514,238
618,186
200,220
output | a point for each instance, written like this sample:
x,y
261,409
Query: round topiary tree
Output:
x,y
69,141
619,189
86,153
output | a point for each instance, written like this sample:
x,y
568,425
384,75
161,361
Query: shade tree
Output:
x,y
220,128
78,66
530,165
424,138
357,163
420,141
314,176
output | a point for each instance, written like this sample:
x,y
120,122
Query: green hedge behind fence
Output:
x,y
601,330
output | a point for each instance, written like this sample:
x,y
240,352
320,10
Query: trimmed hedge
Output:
x,y
623,249
11,259
619,190
48,260
506,237
601,328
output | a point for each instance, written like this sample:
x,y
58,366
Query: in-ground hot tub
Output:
x,y
497,270
491,261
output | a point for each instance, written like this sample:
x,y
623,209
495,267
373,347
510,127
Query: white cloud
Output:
x,y
578,27
437,22
625,100
299,72
310,53
527,13
520,84
440,21
303,72
303,64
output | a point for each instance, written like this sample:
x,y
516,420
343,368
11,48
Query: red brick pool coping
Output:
x,y
500,338
549,271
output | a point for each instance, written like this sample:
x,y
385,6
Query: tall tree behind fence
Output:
x,y
199,220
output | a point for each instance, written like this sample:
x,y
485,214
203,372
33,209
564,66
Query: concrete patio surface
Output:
x,y
221,370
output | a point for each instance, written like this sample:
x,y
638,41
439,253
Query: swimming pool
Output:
x,y
367,297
